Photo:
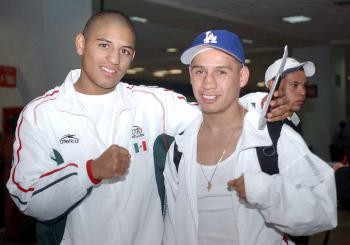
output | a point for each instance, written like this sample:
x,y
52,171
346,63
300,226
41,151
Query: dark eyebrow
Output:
x,y
130,47
224,67
107,41
196,66
216,67
103,39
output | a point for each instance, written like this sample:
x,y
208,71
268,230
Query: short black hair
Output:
x,y
109,14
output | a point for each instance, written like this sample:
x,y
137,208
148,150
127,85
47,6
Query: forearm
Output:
x,y
52,193
295,209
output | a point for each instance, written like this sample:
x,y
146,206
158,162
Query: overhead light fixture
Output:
x,y
135,70
139,69
260,84
131,72
247,61
296,19
160,73
172,50
247,41
175,71
138,19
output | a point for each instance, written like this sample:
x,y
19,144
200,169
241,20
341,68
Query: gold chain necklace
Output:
x,y
209,181
216,167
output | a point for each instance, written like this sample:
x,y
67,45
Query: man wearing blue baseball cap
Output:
x,y
216,190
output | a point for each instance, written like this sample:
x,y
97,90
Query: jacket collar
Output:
x,y
187,144
67,99
251,136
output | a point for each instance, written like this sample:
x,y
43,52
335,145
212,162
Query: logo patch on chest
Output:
x,y
136,132
69,139
140,143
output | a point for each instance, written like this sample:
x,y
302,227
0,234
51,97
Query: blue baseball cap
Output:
x,y
223,40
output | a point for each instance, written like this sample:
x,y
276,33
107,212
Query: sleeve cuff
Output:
x,y
89,173
256,188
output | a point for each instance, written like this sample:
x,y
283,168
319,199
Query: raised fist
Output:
x,y
112,163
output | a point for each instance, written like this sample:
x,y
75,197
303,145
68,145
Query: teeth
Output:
x,y
209,97
107,70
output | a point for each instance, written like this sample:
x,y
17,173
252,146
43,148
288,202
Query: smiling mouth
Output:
x,y
109,71
209,97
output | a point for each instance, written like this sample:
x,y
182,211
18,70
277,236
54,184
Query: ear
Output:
x,y
243,76
80,44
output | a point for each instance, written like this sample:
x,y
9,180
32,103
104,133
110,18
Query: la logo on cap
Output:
x,y
210,37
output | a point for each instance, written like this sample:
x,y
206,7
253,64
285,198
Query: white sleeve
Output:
x,y
301,199
38,185
178,112
254,99
171,186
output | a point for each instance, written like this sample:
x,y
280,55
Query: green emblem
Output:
x,y
57,157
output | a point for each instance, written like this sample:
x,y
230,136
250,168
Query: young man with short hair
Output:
x,y
217,192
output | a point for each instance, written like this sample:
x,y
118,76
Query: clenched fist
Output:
x,y
113,162
238,185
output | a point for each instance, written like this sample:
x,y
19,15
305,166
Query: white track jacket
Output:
x,y
300,200
55,139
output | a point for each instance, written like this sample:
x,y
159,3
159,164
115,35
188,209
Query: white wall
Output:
x,y
321,115
37,37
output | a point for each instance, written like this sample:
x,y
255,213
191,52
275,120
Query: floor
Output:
x,y
338,236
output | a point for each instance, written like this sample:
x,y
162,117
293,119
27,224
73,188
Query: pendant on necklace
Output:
x,y
209,186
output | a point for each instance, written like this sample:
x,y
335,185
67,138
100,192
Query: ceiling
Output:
x,y
174,23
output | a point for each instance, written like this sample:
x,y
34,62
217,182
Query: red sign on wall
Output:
x,y
7,76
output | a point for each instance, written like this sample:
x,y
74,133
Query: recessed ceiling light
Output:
x,y
175,71
260,84
160,73
172,50
131,72
296,19
247,41
139,69
138,19
135,70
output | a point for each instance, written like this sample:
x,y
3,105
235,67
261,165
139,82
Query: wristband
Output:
x,y
89,172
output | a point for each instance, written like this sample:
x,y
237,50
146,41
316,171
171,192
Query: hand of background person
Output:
x,y
279,108
238,185
113,162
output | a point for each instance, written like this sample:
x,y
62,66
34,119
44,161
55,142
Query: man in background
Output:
x,y
293,85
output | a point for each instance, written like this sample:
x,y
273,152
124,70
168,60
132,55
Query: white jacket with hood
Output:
x,y
54,140
300,200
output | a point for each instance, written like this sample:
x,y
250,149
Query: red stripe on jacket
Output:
x,y
18,152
